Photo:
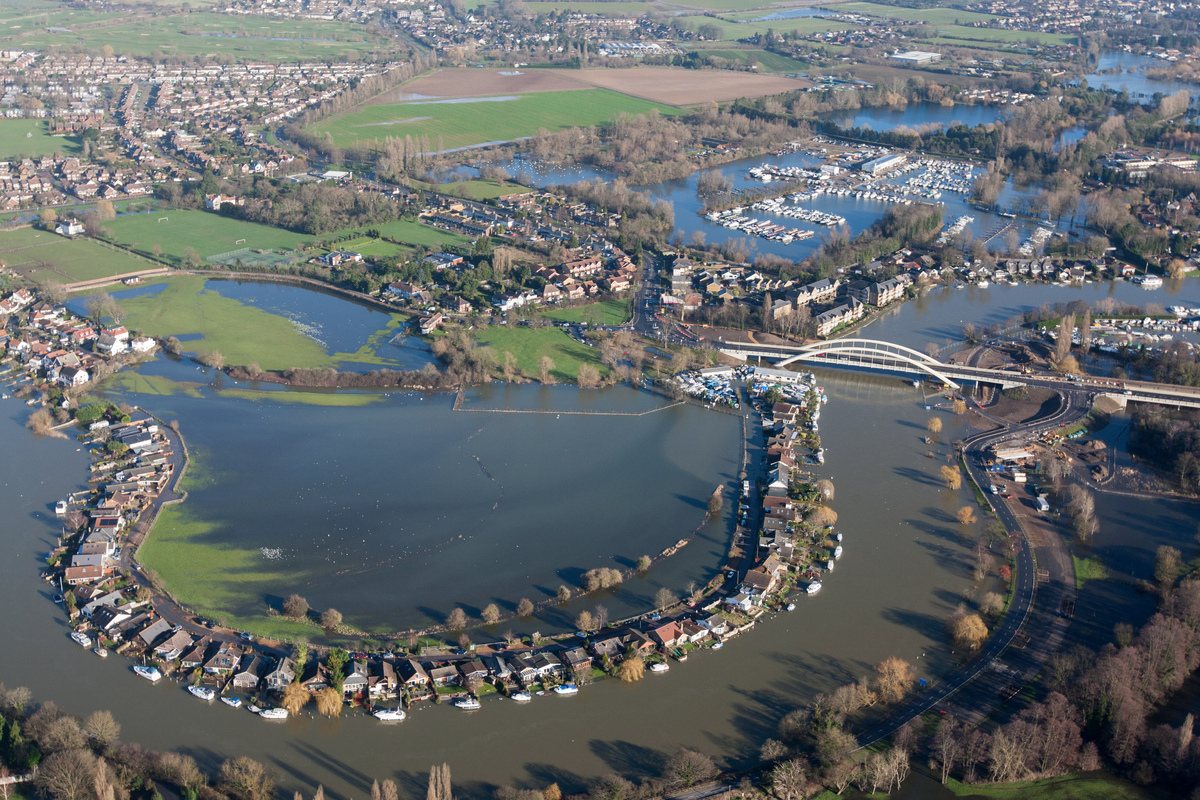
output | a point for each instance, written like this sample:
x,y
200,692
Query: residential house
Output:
x,y
316,676
382,681
249,672
174,646
224,661
196,656
667,635
575,659
411,673
443,676
280,675
357,679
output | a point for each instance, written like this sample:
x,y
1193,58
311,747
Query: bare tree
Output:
x,y
330,619
103,727
689,767
894,676
67,774
295,607
245,779
788,779
943,750
525,607
456,620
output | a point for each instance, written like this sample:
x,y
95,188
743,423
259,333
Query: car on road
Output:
x,y
245,636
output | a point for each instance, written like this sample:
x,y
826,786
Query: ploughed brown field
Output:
x,y
466,82
685,87
675,87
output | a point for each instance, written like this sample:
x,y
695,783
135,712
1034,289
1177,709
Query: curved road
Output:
x,y
1075,405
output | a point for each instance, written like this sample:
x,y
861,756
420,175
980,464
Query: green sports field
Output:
x,y
934,16
766,60
528,345
205,232
606,312
211,34
476,120
417,234
44,256
31,137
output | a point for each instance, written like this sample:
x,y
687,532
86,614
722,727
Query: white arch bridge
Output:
x,y
871,354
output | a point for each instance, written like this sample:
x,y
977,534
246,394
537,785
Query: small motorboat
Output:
x,y
522,697
837,551
813,587
203,692
273,713
839,537
659,666
59,599
149,673
253,709
791,606
568,688
389,714
100,651
232,702
60,508
468,704
718,645
82,639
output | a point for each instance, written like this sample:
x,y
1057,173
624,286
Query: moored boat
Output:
x,y
468,704
60,508
82,639
813,587
522,697
273,713
659,666
570,688
203,692
791,606
149,673
837,551
100,651
389,714
718,645
232,702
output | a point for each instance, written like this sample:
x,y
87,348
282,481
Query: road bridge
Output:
x,y
874,355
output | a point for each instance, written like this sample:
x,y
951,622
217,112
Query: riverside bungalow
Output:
x,y
357,680
106,618
155,631
758,581
280,675
74,576
224,661
196,656
715,623
316,677
247,675
471,670
174,646
108,600
575,659
741,601
611,646
498,667
412,674
383,679
443,676
692,632
522,670
667,635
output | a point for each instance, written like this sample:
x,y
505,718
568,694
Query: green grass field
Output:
x,y
45,256
619,9
1088,569
1000,36
31,138
528,345
212,34
205,232
478,121
739,26
767,61
934,16
1089,786
606,312
417,234
476,189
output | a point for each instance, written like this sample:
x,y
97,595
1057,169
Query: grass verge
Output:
x,y
528,345
1088,569
606,312
1088,786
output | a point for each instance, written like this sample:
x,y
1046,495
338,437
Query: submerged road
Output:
x,y
1074,406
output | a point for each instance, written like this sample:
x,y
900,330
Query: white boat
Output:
x,y
273,713
100,651
149,673
253,709
837,551
389,714
839,537
82,639
659,666
60,507
232,702
203,692
791,606
813,587
570,688
468,704
522,697
718,645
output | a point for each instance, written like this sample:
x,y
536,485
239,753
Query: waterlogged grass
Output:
x,y
242,333
154,385
475,121
1089,786
367,353
528,345
1088,569
606,312
338,399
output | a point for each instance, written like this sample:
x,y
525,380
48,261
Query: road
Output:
x,y
1075,405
